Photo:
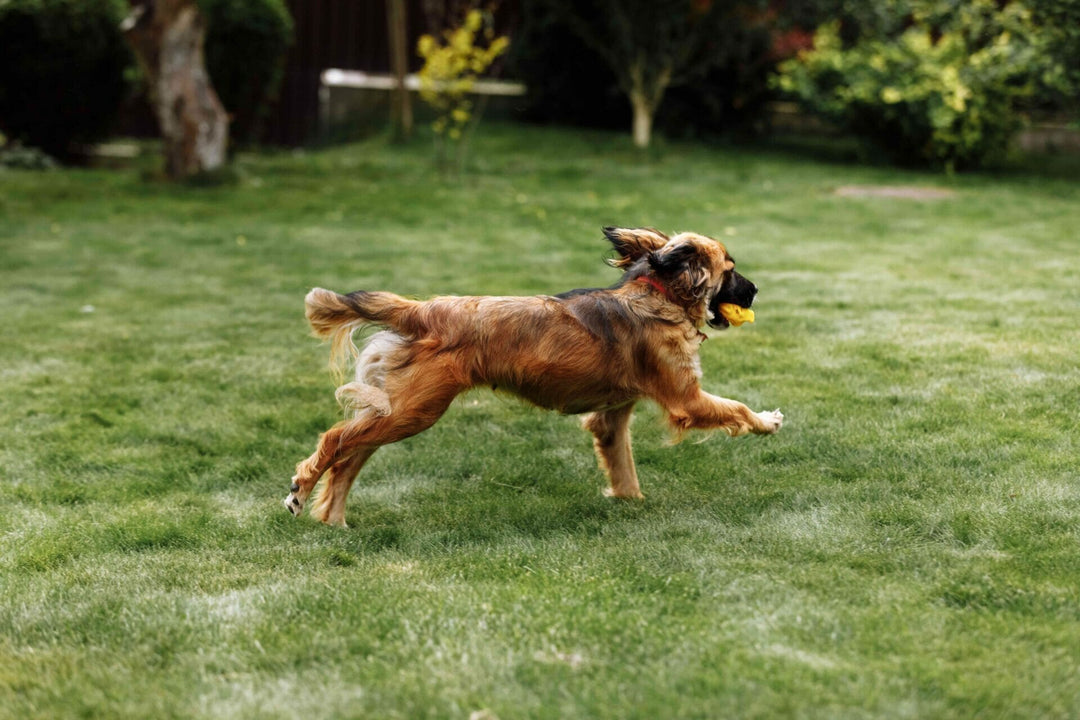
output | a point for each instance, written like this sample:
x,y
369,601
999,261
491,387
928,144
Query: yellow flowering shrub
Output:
x,y
452,65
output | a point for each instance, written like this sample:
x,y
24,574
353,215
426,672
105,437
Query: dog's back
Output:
x,y
569,354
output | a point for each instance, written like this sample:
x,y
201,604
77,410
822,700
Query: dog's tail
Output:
x,y
335,317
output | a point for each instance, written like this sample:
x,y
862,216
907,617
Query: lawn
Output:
x,y
907,546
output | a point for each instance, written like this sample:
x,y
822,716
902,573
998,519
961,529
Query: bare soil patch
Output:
x,y
904,192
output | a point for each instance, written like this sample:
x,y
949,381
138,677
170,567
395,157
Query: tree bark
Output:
x,y
167,37
401,115
643,117
645,96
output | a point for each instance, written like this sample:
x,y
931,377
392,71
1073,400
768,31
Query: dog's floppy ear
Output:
x,y
632,244
682,270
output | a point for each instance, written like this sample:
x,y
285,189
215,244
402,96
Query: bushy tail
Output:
x,y
335,317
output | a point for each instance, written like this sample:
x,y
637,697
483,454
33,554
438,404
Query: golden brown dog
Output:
x,y
585,351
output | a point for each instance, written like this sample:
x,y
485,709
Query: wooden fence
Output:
x,y
327,33
346,34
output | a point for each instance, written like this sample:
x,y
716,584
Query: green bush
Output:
x,y
945,91
246,41
17,157
1059,20
62,68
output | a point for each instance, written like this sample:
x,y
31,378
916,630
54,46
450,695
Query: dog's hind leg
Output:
x,y
611,439
418,396
309,470
333,452
329,505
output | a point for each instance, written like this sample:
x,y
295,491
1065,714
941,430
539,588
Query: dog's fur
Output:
x,y
594,351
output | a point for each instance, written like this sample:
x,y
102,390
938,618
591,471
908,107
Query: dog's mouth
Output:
x,y
735,289
718,321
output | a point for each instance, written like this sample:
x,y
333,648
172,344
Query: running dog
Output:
x,y
595,351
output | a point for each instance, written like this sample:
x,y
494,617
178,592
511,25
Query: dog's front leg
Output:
x,y
611,439
704,411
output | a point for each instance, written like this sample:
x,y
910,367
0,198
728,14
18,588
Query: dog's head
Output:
x,y
695,271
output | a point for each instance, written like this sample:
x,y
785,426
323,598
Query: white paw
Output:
x,y
771,420
294,504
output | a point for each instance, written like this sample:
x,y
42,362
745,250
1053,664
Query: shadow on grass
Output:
x,y
462,514
445,514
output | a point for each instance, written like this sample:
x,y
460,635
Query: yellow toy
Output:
x,y
735,314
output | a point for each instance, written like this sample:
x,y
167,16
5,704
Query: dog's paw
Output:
x,y
293,504
771,420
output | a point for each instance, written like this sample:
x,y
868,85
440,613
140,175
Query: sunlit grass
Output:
x,y
905,547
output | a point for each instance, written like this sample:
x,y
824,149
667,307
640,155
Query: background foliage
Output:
x,y
1060,20
570,82
246,42
62,66
934,81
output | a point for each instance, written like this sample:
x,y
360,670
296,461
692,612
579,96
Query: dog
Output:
x,y
595,351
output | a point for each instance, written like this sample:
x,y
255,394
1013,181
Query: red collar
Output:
x,y
656,285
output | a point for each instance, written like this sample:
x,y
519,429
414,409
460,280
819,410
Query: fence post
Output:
x,y
401,117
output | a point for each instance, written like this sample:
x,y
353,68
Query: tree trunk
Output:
x,y
167,37
401,115
643,118
645,96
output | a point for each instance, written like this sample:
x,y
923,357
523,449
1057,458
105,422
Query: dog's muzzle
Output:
x,y
736,290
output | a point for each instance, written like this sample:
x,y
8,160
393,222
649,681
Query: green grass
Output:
x,y
907,546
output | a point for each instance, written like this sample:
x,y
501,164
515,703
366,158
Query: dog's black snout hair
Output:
x,y
741,290
736,290
751,292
